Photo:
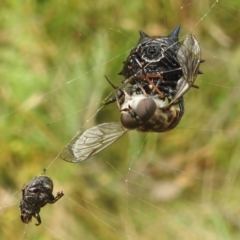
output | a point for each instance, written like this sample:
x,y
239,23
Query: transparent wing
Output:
x,y
189,58
85,145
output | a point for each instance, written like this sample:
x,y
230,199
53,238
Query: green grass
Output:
x,y
182,184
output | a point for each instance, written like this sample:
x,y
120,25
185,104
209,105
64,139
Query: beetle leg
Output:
x,y
55,199
37,216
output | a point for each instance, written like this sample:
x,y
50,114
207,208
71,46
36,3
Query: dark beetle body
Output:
x,y
36,195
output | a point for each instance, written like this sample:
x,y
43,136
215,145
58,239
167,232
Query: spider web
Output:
x,y
181,184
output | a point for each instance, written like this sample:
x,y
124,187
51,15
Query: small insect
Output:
x,y
35,195
139,112
150,113
139,109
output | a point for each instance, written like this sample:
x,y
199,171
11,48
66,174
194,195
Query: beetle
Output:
x,y
35,195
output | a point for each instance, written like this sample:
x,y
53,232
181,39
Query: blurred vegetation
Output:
x,y
182,184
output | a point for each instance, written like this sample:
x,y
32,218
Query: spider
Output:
x,y
139,109
157,63
154,60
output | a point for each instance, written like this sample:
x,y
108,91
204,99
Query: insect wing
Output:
x,y
189,58
85,145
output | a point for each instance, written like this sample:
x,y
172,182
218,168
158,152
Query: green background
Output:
x,y
183,184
